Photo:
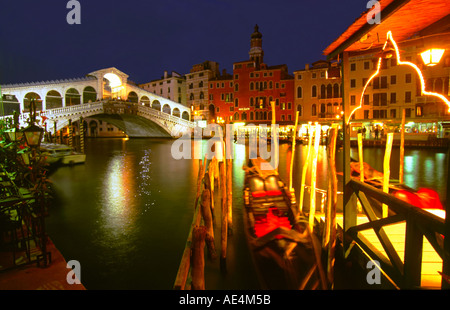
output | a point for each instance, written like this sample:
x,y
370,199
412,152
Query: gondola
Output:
x,y
286,255
424,198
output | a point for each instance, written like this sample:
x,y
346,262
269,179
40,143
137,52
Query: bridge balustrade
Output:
x,y
99,107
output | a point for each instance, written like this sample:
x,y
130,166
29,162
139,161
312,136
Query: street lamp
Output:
x,y
33,134
432,56
14,134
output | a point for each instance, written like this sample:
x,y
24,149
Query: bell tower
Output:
x,y
256,52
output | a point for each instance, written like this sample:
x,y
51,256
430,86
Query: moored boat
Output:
x,y
61,154
285,254
424,198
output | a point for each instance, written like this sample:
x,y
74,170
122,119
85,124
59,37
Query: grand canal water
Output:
x,y
125,214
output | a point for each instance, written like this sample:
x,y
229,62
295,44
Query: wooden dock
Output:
x,y
431,261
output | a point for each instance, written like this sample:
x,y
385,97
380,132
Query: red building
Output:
x,y
245,96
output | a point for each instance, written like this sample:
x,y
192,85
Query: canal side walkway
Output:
x,y
32,277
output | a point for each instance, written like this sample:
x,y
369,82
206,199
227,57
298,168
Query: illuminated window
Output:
x,y
419,111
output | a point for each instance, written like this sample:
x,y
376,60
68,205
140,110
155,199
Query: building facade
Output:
x,y
392,56
318,96
246,95
171,86
197,90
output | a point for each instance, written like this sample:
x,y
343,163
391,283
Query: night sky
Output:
x,y
145,38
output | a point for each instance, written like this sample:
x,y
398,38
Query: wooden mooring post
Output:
x,y
387,169
330,221
229,176
402,148
305,169
81,134
312,206
201,232
70,133
224,222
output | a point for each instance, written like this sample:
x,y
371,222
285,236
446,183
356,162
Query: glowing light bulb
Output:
x,y
432,56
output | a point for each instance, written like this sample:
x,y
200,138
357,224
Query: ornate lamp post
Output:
x,y
33,136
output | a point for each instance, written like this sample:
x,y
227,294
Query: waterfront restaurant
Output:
x,y
395,68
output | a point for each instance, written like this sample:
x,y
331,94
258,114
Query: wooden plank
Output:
x,y
431,261
413,254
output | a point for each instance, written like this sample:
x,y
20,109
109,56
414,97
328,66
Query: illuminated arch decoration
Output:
x,y
389,38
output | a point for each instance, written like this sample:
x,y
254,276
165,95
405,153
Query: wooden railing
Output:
x,y
404,272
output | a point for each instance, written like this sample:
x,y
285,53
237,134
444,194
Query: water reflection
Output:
x,y
129,208
117,195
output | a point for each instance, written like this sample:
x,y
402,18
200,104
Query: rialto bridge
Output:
x,y
105,95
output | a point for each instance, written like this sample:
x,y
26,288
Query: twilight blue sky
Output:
x,y
144,38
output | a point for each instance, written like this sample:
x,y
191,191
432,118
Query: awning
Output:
x,y
404,18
